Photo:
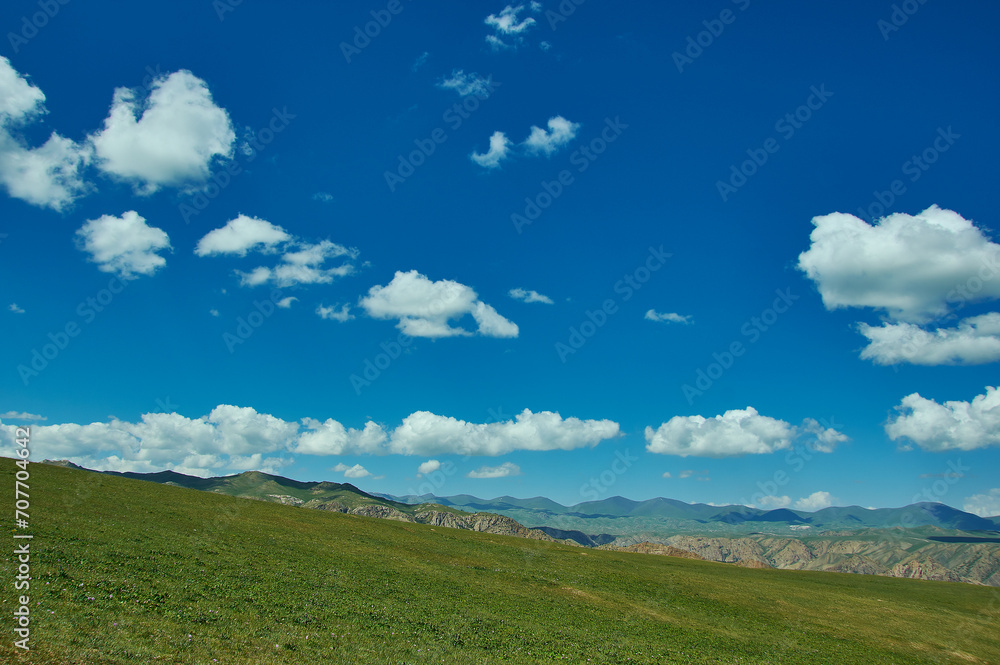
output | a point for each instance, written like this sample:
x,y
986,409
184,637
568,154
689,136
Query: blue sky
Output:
x,y
531,249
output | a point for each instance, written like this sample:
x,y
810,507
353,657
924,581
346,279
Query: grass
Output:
x,y
126,571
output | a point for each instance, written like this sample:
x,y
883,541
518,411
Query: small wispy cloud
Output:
x,y
14,308
503,471
529,295
339,313
499,147
420,61
325,197
667,317
22,415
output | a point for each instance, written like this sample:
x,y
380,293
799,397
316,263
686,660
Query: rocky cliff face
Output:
x,y
889,556
485,522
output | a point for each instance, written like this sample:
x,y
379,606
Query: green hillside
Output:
x,y
126,571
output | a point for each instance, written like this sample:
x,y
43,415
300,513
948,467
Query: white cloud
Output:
x,y
499,147
14,308
528,295
666,474
536,6
430,466
125,245
356,471
734,433
953,425
339,313
332,438
241,235
424,433
420,61
424,307
975,341
303,264
22,415
686,473
667,317
231,439
503,471
984,505
178,132
911,266
48,175
561,131
467,84
506,22
323,197
773,502
286,303
213,312
18,98
815,501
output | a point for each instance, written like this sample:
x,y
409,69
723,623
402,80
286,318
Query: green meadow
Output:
x,y
128,571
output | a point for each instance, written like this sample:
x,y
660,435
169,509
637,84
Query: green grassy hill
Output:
x,y
126,571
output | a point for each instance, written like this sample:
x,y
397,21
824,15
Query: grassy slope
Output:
x,y
127,571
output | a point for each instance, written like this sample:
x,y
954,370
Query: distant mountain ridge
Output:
x,y
549,513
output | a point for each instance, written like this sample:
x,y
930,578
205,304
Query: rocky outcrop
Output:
x,y
892,555
286,500
483,522
653,548
381,512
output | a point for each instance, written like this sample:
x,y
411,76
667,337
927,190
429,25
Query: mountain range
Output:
x,y
923,540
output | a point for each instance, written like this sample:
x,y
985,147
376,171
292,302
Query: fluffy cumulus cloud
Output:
x,y
953,425
167,140
430,466
49,175
545,142
666,317
502,471
231,439
528,295
300,262
913,267
984,505
425,308
241,235
815,501
125,245
356,471
734,433
304,264
499,148
424,433
773,502
975,341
